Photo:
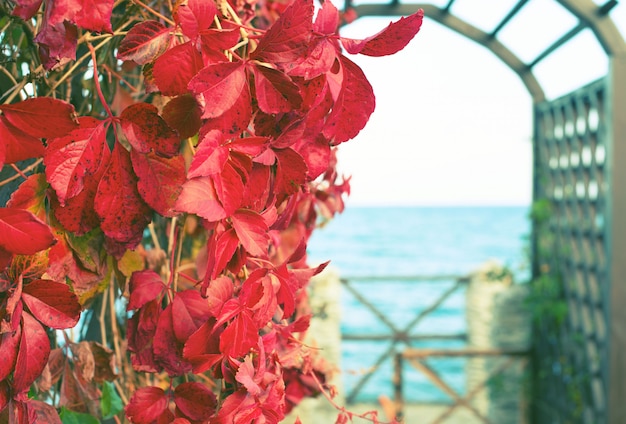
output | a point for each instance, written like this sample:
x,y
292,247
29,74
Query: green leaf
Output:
x,y
70,417
110,404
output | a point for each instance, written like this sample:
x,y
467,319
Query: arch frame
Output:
x,y
596,18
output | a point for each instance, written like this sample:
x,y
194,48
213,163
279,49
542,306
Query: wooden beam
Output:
x,y
466,29
466,352
616,240
600,23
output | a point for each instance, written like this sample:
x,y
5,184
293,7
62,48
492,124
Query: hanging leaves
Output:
x,y
23,233
52,303
193,195
145,42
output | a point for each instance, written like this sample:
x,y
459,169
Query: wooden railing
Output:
x,y
395,334
418,357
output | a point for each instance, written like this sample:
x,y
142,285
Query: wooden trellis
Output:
x,y
580,170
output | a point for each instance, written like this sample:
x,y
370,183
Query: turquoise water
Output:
x,y
411,241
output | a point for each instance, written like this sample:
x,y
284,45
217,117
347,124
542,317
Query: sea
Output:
x,y
401,242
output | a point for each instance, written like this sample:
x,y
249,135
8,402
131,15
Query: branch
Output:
x,y
96,80
24,171
154,12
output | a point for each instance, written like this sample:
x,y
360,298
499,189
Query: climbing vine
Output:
x,y
163,167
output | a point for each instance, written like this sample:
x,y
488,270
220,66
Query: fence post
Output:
x,y
497,317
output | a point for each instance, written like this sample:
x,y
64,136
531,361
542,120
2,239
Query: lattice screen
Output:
x,y
570,174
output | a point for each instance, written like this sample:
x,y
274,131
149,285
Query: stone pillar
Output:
x,y
497,318
324,334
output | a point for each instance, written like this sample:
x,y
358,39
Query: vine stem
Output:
x,y
154,12
23,172
19,171
76,64
342,409
96,80
103,329
179,255
114,329
121,78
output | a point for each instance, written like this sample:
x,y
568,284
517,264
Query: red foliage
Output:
x,y
249,99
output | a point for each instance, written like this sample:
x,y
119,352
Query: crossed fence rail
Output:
x,y
418,358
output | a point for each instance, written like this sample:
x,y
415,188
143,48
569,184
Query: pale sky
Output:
x,y
452,124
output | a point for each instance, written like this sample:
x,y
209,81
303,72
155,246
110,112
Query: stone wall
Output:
x,y
498,317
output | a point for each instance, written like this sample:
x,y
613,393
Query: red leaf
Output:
x,y
191,311
145,42
168,350
144,286
124,214
26,9
160,179
10,342
72,393
353,107
257,191
141,328
388,41
17,145
199,196
221,249
286,295
41,117
78,214
327,19
194,401
5,398
240,335
240,408
219,86
214,41
23,233
287,38
210,156
252,231
195,16
182,113
202,347
218,293
65,263
44,412
252,146
290,172
31,196
320,57
71,159
93,15
246,376
258,294
57,43
33,354
274,90
174,69
147,405
52,303
234,120
316,155
229,188
146,130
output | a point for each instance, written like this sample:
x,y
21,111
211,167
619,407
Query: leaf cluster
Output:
x,y
166,165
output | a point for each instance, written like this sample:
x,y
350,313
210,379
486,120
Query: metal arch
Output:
x,y
588,13
464,28
598,20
